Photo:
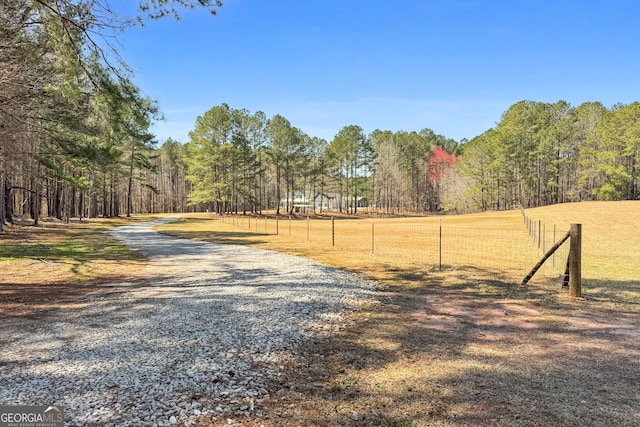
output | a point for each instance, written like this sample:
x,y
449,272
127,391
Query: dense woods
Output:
x,y
243,162
75,142
538,154
542,153
74,139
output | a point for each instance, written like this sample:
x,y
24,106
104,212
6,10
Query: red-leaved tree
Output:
x,y
439,162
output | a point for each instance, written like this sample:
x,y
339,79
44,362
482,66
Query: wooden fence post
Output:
x,y
575,261
545,257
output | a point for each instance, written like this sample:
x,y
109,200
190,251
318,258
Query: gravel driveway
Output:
x,y
204,336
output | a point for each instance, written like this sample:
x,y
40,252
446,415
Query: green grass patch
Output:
x,y
57,253
77,245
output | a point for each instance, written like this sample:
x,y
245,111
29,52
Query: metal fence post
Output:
x,y
440,246
372,235
333,231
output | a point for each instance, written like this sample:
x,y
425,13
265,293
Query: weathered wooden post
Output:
x,y
544,258
575,261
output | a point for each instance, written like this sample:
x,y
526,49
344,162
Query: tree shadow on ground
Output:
x,y
437,350
467,349
220,237
38,300
625,294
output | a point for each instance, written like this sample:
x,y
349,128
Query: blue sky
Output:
x,y
450,65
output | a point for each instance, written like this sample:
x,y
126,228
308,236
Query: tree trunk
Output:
x,y
277,189
106,212
2,202
35,207
81,205
73,210
66,206
8,201
129,196
59,203
355,190
116,197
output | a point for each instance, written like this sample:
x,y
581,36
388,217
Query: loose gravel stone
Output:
x,y
213,324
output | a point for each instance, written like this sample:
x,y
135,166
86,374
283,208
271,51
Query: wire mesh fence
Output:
x,y
505,249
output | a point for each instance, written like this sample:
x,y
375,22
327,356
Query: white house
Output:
x,y
322,202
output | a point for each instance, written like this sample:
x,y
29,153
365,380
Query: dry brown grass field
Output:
x,y
461,345
496,243
465,345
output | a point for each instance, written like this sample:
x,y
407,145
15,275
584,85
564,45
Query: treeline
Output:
x,y
538,154
243,162
546,153
74,129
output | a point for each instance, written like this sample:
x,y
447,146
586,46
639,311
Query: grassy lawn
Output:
x,y
43,267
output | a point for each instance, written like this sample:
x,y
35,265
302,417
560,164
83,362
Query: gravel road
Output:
x,y
205,335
